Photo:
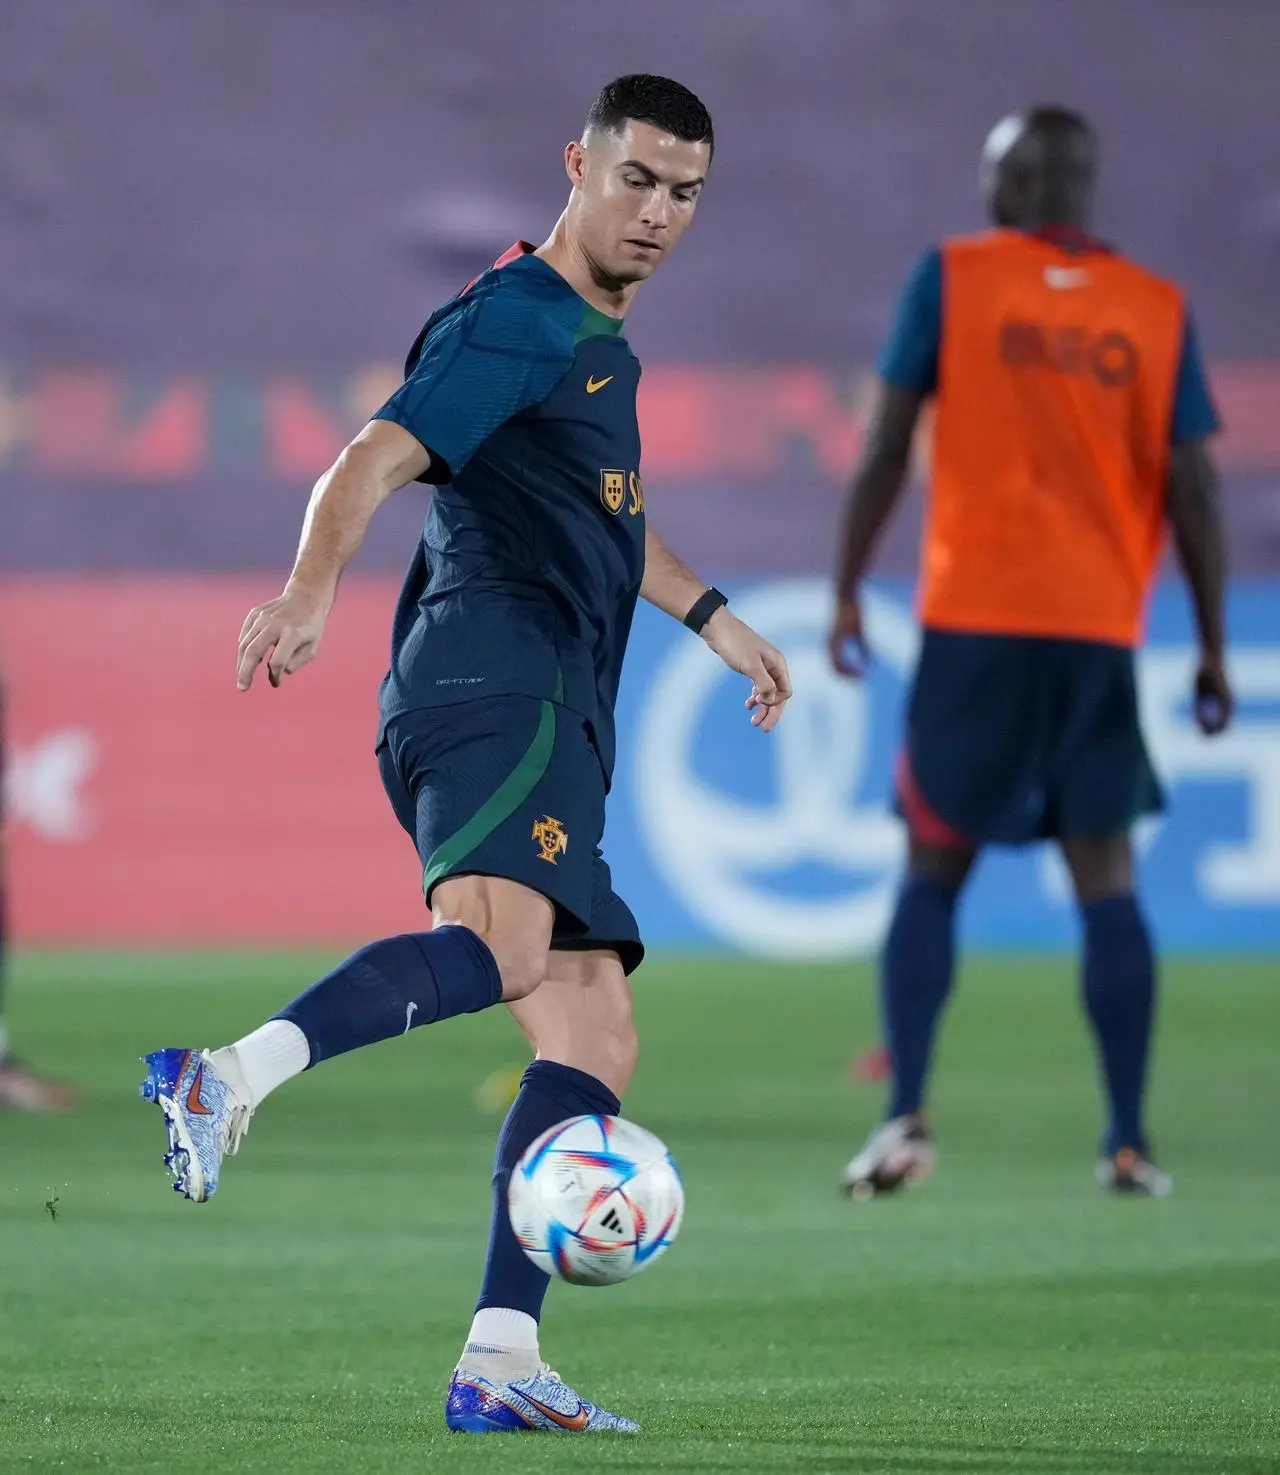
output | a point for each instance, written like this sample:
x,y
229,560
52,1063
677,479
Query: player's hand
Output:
x,y
742,650
289,627
1215,703
845,643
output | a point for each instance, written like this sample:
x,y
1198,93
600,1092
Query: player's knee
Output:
x,y
514,923
521,965
947,865
1100,866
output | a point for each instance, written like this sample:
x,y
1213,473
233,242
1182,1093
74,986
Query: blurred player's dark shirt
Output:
x,y
526,576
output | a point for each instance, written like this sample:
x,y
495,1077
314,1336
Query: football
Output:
x,y
595,1199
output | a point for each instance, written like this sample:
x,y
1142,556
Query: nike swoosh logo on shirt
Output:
x,y
1063,278
593,383
408,1017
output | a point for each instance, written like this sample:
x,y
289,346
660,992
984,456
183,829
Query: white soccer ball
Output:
x,y
595,1199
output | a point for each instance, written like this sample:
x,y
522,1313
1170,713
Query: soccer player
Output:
x,y
496,742
21,1089
1072,414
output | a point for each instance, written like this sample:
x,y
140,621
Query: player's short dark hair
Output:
x,y
1056,119
1058,124
658,101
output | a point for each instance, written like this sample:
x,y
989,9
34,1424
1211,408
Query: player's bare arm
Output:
x,y
878,483
380,460
674,588
1195,516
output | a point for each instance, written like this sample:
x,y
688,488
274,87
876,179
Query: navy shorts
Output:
x,y
513,787
1014,738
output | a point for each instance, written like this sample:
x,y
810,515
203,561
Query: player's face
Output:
x,y
634,194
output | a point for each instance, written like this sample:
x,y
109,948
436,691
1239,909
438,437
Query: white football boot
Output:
x,y
899,1151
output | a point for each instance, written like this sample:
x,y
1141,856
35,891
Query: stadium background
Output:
x,y
220,227
207,296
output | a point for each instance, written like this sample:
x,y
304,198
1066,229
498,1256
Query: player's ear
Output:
x,y
575,162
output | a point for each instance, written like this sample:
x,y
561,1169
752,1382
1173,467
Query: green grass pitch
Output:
x,y
1007,1317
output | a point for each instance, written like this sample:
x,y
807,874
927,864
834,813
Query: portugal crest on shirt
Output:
x,y
613,489
551,839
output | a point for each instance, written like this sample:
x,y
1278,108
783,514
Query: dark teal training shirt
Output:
x,y
525,578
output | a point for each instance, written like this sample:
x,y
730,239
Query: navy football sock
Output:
x,y
549,1093
1119,997
915,979
392,986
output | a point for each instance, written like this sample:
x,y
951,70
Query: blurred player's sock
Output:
x,y
4,1033
513,1284
1119,997
915,979
391,987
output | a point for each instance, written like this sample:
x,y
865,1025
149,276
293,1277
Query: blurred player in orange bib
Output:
x,y
1072,415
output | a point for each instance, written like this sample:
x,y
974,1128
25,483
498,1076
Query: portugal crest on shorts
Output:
x,y
613,489
551,839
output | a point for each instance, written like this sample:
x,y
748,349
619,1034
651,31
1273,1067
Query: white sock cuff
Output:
x,y
270,1056
499,1326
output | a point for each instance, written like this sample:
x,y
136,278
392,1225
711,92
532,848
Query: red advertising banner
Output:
x,y
149,801
697,421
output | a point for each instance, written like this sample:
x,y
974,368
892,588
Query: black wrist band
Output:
x,y
703,608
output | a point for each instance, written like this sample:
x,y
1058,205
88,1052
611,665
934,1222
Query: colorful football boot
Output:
x,y
540,1403
206,1116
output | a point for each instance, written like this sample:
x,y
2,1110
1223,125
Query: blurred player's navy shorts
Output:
x,y
1014,738
511,786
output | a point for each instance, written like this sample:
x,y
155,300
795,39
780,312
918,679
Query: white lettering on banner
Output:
x,y
727,857
43,783
1246,873
718,852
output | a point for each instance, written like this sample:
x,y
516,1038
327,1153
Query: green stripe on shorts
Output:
x,y
501,804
